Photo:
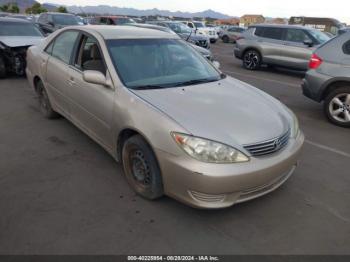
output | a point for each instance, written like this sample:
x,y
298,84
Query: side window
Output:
x,y
49,48
89,56
273,33
190,25
42,18
346,48
50,19
296,35
258,31
103,20
64,44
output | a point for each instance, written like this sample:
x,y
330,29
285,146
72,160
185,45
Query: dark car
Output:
x,y
184,32
16,35
50,22
328,79
111,20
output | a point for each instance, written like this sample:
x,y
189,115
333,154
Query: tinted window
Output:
x,y
64,45
296,35
319,36
19,29
65,20
258,31
346,48
273,33
42,18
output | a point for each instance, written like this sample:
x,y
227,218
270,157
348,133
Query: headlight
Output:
x,y
208,151
295,126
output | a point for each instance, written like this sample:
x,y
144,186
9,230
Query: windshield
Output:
x,y
198,24
180,28
65,20
159,63
320,36
19,29
123,21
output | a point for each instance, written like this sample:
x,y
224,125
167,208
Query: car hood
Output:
x,y
227,111
16,41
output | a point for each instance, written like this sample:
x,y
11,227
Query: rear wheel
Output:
x,y
141,168
251,60
337,107
44,102
225,39
2,67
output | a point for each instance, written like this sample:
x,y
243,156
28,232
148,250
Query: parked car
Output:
x,y
166,113
16,35
200,28
328,79
231,34
50,22
25,17
203,51
111,20
280,45
184,32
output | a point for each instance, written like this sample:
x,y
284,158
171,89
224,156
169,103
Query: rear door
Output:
x,y
57,80
295,53
270,41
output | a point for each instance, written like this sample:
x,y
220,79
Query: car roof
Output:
x,y
13,20
57,13
281,26
125,32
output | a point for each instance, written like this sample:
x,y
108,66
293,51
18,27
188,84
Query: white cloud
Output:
x,y
275,8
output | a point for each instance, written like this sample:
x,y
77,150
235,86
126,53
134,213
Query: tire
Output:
x,y
2,67
225,39
141,168
44,102
212,41
337,106
251,60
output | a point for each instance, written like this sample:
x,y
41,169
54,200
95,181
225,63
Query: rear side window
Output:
x,y
296,35
273,33
346,48
64,45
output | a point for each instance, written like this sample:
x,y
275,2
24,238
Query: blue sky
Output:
x,y
276,8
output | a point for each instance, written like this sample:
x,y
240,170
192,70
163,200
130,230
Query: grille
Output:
x,y
202,43
268,147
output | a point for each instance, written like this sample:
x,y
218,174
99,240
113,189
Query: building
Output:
x,y
330,25
248,20
277,21
230,21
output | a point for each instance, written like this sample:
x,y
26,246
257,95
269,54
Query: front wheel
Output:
x,y
141,168
251,60
225,39
337,107
2,67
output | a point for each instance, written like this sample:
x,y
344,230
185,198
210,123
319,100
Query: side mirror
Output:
x,y
308,42
216,64
95,77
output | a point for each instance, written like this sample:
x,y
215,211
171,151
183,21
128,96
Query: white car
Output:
x,y
203,30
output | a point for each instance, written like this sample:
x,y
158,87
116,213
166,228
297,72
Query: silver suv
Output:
x,y
280,45
328,79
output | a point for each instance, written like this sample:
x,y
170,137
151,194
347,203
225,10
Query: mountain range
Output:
x,y
114,10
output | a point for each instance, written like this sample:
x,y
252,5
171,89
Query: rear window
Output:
x,y
19,29
346,48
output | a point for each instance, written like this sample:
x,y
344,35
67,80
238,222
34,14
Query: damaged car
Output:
x,y
16,35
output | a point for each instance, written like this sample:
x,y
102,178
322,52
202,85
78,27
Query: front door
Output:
x,y
92,105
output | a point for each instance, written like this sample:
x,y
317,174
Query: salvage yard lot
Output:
x,y
60,193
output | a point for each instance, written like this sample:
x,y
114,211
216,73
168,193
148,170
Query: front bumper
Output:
x,y
314,84
205,185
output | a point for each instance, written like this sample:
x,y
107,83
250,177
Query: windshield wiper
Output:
x,y
146,87
196,82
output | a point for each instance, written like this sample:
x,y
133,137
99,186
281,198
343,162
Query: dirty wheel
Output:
x,y
225,39
251,60
44,102
141,168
